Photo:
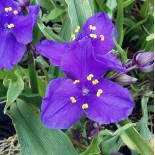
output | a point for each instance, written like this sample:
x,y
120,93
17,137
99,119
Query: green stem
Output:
x,y
33,77
132,135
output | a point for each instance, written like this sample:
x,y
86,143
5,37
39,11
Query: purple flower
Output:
x,y
16,32
99,29
85,91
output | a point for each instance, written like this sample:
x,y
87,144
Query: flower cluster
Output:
x,y
16,31
84,61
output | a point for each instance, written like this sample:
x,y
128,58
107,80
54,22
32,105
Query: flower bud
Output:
x,y
125,80
93,133
144,61
128,63
75,133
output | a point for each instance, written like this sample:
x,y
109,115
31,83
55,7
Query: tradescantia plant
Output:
x,y
85,61
79,78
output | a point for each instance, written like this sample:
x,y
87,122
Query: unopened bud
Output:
x,y
125,80
128,63
93,133
75,133
144,61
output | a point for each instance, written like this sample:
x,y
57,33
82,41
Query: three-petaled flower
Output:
x,y
16,31
85,61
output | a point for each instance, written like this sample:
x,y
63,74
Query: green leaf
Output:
x,y
41,60
65,32
33,136
134,140
137,25
79,11
46,4
2,75
72,12
41,86
36,34
43,64
3,91
127,3
33,76
111,144
119,22
49,34
112,6
143,127
150,37
84,10
94,147
100,6
15,87
53,14
28,97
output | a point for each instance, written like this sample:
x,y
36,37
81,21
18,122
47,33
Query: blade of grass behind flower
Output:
x,y
79,11
119,22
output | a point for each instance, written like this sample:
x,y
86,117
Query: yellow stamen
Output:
x,y
6,9
76,81
92,35
85,106
95,82
73,100
92,27
10,8
77,29
11,26
89,77
99,92
102,37
73,36
15,12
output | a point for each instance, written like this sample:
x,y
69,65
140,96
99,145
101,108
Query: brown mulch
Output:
x,y
10,146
